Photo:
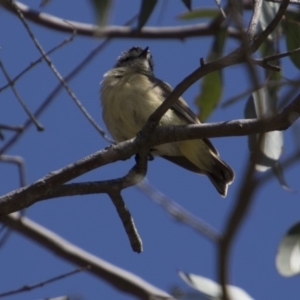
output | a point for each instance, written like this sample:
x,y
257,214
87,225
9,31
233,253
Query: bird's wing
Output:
x,y
180,107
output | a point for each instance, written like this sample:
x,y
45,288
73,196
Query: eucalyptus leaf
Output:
x,y
199,14
146,9
278,172
260,105
212,83
213,289
211,92
292,35
288,255
102,10
268,12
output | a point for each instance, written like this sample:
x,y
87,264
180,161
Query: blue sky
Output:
x,y
91,222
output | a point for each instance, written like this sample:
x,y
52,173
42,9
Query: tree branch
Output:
x,y
254,19
27,288
119,278
53,68
51,185
179,213
243,202
176,32
58,88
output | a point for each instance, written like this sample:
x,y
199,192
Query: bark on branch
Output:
x,y
52,186
62,25
119,278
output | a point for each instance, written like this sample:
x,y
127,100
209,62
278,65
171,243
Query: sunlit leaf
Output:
x,y
102,10
147,7
288,256
291,27
278,171
199,13
212,289
212,84
188,4
268,12
260,105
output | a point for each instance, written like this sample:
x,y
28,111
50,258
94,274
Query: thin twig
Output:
x,y
19,98
54,70
174,32
19,162
280,55
11,127
119,278
57,89
268,84
27,288
31,65
178,212
127,221
134,176
262,63
5,235
218,2
243,202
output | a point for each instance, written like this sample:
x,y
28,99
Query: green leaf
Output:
x,y
288,255
199,13
291,28
268,12
102,10
213,289
212,83
188,4
147,7
211,92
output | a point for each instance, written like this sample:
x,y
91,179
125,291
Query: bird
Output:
x,y
130,93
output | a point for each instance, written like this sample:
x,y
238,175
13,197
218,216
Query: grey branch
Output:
x,y
52,66
119,278
27,288
176,32
179,213
52,184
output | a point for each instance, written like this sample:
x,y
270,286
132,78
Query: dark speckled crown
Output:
x,y
130,56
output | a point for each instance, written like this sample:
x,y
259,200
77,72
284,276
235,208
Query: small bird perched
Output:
x,y
130,93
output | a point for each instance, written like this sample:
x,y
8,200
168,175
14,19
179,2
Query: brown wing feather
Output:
x,y
181,109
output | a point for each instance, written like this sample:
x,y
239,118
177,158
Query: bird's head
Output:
x,y
136,58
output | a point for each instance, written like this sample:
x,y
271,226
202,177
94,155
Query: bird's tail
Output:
x,y
221,175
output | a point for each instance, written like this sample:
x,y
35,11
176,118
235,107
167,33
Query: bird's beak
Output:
x,y
144,52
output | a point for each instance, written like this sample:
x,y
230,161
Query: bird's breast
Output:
x,y
127,102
